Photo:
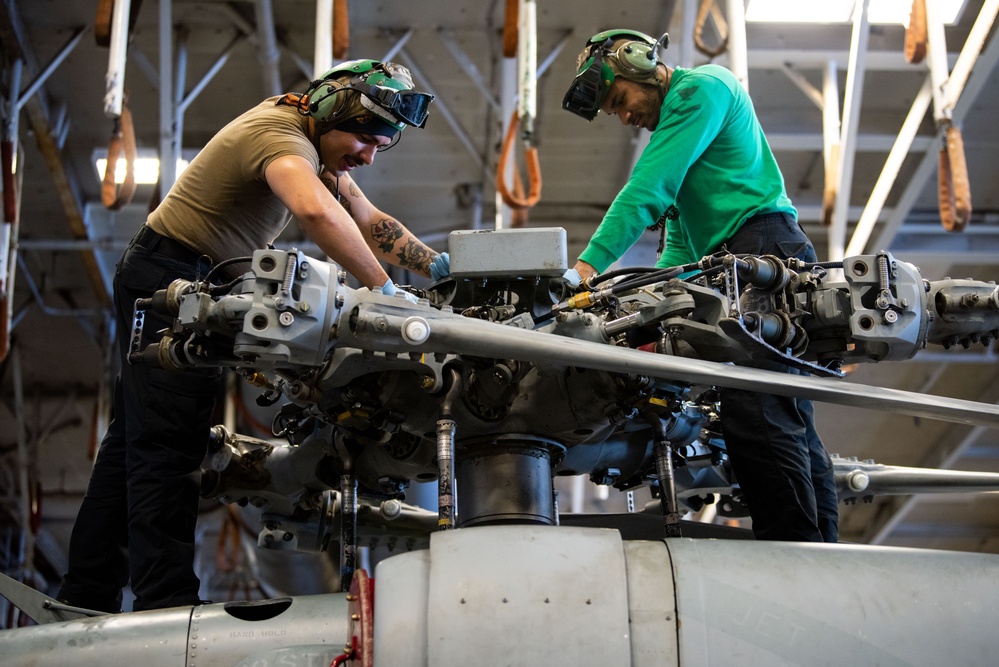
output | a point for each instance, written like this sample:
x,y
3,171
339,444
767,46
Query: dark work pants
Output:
x,y
779,460
137,520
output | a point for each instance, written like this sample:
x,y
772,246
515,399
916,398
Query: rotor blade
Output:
x,y
37,605
885,480
381,329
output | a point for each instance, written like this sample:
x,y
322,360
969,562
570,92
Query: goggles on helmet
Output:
x,y
587,91
598,64
407,106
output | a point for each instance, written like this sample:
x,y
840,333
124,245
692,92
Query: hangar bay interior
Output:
x,y
193,65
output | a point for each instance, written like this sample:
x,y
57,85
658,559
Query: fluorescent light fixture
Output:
x,y
841,11
147,166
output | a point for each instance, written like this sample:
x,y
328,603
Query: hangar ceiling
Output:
x,y
225,56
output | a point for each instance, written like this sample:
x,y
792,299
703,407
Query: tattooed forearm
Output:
x,y
415,255
330,185
333,185
385,233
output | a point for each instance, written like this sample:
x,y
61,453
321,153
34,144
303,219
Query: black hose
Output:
x,y
226,262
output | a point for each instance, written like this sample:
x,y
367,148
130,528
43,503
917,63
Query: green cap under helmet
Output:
x,y
626,53
367,87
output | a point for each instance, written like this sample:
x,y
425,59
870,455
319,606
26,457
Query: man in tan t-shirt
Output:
x,y
289,156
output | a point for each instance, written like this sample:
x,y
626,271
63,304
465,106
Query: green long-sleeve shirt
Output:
x,y
709,157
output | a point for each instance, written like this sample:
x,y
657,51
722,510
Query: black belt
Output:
x,y
153,241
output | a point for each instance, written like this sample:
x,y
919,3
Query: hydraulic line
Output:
x,y
663,452
445,474
446,429
348,529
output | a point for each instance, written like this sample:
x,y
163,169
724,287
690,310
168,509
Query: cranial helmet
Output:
x,y
626,53
372,87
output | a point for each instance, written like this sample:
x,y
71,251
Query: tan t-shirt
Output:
x,y
221,205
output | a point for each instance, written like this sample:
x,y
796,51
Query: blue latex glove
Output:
x,y
440,267
390,289
572,277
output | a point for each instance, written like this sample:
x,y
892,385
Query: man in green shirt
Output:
x,y
709,166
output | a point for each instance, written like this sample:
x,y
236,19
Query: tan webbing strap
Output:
x,y
830,189
954,189
705,8
122,141
511,21
102,24
915,34
513,200
341,29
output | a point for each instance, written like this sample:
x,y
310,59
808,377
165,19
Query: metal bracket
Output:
x,y
135,342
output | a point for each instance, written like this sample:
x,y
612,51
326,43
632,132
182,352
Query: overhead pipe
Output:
x,y
322,58
828,103
9,147
185,101
969,53
527,66
831,137
8,143
557,49
399,43
979,78
26,556
250,32
523,117
179,83
879,195
268,54
466,64
442,108
169,148
38,115
939,68
114,81
49,310
737,49
40,80
849,131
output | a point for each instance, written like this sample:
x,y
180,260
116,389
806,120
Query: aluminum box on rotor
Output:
x,y
508,252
